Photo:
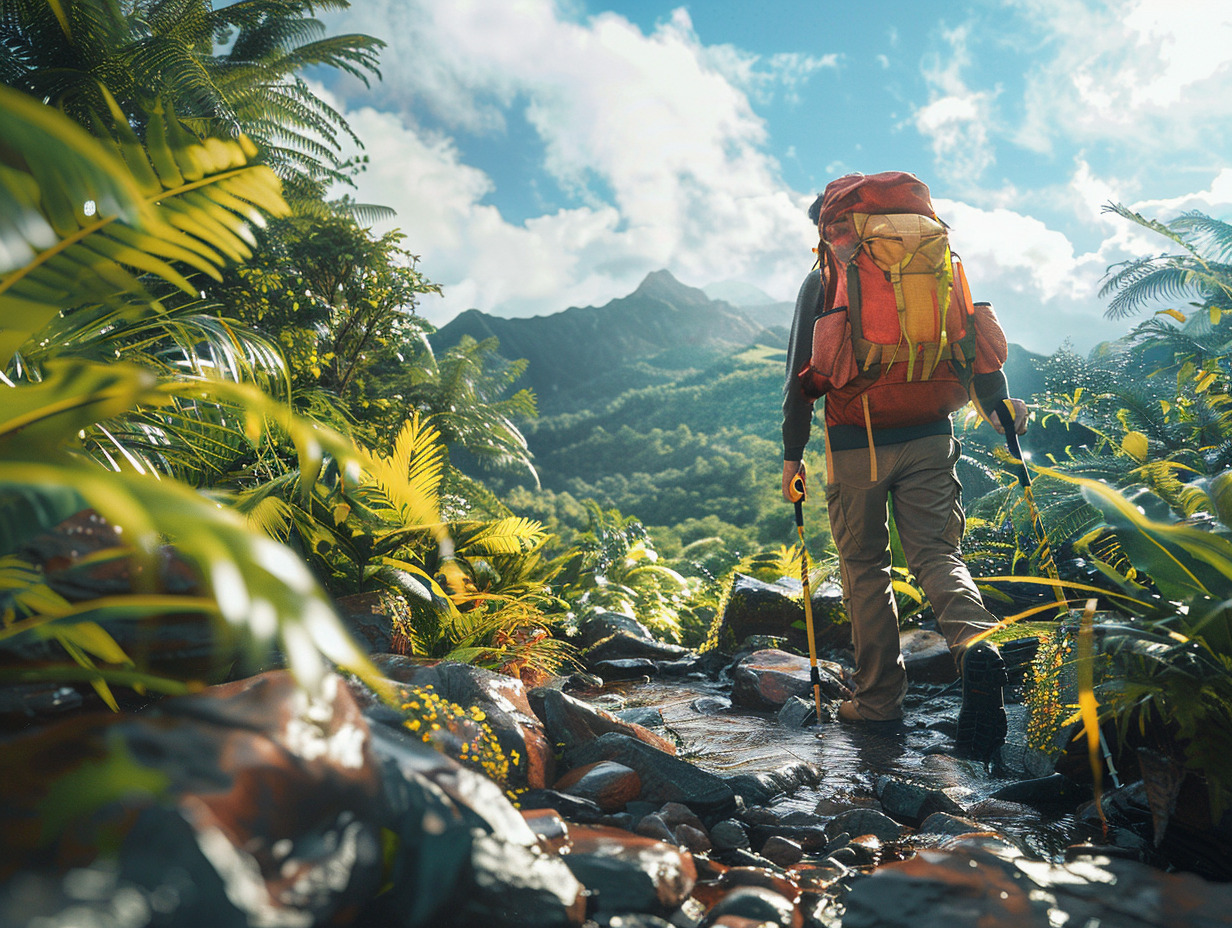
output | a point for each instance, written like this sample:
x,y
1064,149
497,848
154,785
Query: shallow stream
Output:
x,y
735,740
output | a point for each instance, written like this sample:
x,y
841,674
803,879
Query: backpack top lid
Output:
x,y
887,192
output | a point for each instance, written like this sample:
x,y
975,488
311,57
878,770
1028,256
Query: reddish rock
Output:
x,y
263,797
550,828
503,703
630,873
664,778
609,785
571,722
753,907
814,877
767,679
731,878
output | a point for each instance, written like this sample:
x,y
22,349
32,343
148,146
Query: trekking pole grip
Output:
x,y
796,488
1005,412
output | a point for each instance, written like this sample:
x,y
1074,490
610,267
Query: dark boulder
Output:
x,y
664,778
976,887
630,873
756,608
570,723
766,679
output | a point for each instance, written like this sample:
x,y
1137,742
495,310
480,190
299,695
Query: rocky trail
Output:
x,y
661,787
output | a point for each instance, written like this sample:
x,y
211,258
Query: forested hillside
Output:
x,y
665,405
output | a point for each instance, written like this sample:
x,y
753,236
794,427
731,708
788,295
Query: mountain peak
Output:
x,y
661,285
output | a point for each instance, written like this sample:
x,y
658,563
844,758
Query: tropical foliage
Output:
x,y
222,72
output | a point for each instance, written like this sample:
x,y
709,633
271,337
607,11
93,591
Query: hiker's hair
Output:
x,y
815,210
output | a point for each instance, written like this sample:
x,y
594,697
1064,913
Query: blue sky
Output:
x,y
548,153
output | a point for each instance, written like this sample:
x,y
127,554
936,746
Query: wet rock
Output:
x,y
800,817
927,656
85,556
943,823
1056,789
798,712
753,905
646,716
571,723
711,705
865,851
501,699
694,839
625,669
766,679
249,802
816,878
676,813
809,837
976,887
757,608
653,826
581,682
609,785
911,803
551,830
462,848
728,834
758,789
631,920
596,626
691,665
622,646
866,822
1189,839
664,778
512,886
30,703
573,808
630,873
782,851
731,878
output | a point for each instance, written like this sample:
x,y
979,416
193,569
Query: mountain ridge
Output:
x,y
661,331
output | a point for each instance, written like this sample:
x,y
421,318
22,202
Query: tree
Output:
x,y
221,72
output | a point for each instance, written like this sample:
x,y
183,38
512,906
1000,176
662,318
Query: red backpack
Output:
x,y
897,311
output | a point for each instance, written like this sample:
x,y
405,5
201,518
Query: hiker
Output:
x,y
888,434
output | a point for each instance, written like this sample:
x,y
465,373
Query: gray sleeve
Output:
x,y
798,408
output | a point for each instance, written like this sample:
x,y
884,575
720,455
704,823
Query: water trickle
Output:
x,y
851,758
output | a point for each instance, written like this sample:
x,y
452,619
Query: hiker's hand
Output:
x,y
790,469
1020,418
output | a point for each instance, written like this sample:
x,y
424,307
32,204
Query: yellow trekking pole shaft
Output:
x,y
1005,412
797,497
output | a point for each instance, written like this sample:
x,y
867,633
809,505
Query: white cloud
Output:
x,y
1043,290
663,149
956,119
1151,73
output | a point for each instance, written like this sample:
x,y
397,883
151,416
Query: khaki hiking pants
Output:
x,y
919,475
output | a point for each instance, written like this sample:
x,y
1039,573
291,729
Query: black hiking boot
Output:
x,y
981,720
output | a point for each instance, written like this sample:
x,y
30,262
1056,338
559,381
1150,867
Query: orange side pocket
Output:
x,y
833,362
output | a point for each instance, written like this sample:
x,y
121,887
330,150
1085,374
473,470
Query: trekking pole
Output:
x,y
1005,412
796,493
